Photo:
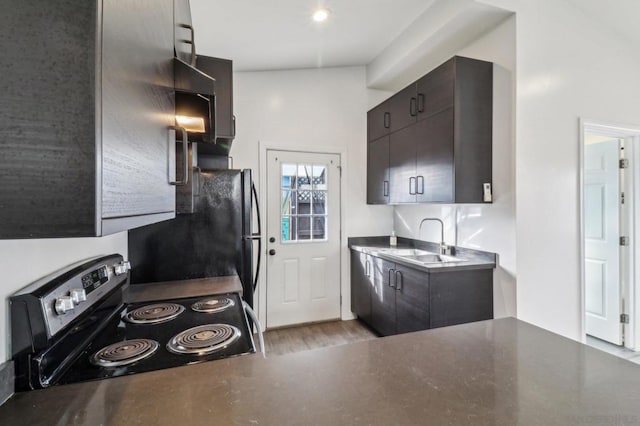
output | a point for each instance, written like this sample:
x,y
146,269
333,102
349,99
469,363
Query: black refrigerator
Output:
x,y
216,240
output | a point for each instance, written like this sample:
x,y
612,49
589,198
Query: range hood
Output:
x,y
196,106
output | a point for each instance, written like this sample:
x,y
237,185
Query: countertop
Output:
x,y
497,372
183,289
473,259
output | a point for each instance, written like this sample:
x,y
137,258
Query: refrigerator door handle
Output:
x,y
257,235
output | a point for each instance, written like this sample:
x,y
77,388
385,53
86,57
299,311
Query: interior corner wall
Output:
x,y
25,261
489,227
312,108
569,66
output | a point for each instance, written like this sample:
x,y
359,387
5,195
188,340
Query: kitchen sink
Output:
x,y
419,256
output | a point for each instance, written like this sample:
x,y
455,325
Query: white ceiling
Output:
x,y
280,34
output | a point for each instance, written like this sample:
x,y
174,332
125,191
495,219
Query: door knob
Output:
x,y
272,252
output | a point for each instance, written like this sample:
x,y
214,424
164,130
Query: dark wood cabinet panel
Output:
x,y
383,298
222,71
378,171
85,148
412,299
460,296
402,163
378,122
361,284
434,158
404,108
436,90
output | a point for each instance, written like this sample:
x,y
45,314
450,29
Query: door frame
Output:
x,y
631,188
260,300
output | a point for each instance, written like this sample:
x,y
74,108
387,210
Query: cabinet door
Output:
x,y
402,163
436,89
434,158
378,171
460,297
222,71
383,298
183,31
412,300
137,109
378,122
403,108
361,283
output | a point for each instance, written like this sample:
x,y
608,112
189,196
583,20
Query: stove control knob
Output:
x,y
63,305
78,295
122,268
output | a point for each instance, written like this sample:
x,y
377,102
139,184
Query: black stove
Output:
x,y
102,337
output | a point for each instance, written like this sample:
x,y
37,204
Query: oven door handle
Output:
x,y
254,318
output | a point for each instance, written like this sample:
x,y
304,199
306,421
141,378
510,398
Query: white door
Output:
x,y
602,240
303,237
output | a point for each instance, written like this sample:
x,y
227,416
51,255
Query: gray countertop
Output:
x,y
182,289
498,372
473,259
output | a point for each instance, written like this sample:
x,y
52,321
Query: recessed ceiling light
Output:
x,y
321,15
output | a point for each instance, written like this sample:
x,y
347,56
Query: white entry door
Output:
x,y
602,241
303,237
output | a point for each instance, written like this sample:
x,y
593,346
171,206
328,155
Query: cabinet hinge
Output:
x,y
624,318
622,198
624,163
624,241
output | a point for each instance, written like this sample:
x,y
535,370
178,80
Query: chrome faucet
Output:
x,y
444,249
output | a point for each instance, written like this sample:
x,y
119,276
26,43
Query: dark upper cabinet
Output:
x,y
412,299
222,71
86,147
378,122
445,121
402,164
184,39
403,108
435,91
378,171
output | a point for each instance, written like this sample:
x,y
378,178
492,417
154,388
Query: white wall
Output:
x,y
489,227
25,261
568,66
313,108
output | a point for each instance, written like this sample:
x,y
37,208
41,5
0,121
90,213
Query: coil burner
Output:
x,y
203,339
213,304
154,314
124,353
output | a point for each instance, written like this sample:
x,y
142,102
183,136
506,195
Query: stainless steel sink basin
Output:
x,y
421,257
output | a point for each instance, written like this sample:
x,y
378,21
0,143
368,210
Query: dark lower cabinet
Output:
x,y
378,171
396,299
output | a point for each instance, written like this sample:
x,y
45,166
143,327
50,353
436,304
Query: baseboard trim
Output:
x,y
7,377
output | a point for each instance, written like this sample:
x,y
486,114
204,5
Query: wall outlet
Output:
x,y
488,197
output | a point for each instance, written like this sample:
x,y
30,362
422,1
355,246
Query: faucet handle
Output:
x,y
447,249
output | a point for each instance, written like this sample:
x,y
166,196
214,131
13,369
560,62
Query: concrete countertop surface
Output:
x,y
473,259
497,372
182,289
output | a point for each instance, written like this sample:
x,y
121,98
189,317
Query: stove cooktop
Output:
x,y
179,336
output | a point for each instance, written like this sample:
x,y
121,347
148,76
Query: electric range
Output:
x,y
73,326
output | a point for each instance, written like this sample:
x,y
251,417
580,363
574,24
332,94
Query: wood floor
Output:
x,y
313,336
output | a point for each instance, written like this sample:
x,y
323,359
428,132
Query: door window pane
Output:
x,y
304,202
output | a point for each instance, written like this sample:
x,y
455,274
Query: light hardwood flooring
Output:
x,y
313,336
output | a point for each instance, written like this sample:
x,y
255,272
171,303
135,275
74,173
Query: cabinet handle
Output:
x,y
412,185
400,282
385,189
366,269
420,182
192,42
420,103
390,272
412,107
185,156
234,126
387,120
